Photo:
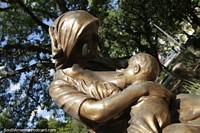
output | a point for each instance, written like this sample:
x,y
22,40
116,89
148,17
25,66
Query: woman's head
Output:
x,y
68,34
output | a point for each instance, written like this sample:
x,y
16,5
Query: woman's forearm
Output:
x,y
111,106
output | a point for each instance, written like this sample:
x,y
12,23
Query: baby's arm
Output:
x,y
86,82
95,89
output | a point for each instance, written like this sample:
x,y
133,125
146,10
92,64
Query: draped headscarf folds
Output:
x,y
65,32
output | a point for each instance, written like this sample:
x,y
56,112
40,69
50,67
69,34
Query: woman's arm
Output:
x,y
78,104
109,107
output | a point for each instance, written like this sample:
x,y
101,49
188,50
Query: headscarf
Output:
x,y
64,34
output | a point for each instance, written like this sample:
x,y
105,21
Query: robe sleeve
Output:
x,y
69,93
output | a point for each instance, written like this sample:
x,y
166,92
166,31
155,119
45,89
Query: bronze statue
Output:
x,y
96,99
142,67
66,33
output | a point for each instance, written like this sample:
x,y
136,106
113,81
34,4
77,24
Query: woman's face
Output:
x,y
86,47
88,41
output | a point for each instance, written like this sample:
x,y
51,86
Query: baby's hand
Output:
x,y
155,89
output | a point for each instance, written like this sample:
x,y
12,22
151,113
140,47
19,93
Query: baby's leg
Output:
x,y
181,128
149,115
186,109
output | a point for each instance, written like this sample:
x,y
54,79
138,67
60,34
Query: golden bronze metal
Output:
x,y
66,34
126,100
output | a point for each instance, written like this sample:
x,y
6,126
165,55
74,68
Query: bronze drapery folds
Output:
x,y
65,34
119,101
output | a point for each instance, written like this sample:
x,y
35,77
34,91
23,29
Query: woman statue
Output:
x,y
74,41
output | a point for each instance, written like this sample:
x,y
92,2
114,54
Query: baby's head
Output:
x,y
142,67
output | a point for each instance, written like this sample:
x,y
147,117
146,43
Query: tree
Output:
x,y
134,22
25,57
42,124
26,67
61,127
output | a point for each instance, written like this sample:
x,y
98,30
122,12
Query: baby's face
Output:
x,y
132,69
134,64
135,69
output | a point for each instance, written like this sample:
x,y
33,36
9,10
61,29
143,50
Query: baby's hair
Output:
x,y
149,67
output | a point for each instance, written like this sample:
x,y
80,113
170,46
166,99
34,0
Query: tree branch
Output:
x,y
27,10
83,4
29,94
5,9
32,48
62,5
4,74
51,14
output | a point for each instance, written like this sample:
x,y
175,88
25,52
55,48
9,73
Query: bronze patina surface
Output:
x,y
125,100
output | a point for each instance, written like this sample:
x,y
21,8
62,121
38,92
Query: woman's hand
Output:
x,y
150,88
155,89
